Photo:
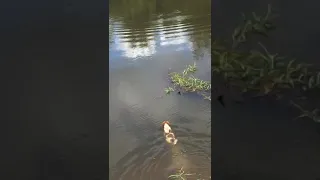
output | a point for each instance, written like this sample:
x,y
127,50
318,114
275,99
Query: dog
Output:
x,y
168,133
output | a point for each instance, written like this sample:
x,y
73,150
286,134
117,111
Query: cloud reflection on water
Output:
x,y
159,40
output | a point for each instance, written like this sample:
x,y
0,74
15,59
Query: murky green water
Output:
x,y
147,39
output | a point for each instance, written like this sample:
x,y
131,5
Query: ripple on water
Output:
x,y
146,39
154,159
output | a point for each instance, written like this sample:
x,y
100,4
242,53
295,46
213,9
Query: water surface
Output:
x,y
148,39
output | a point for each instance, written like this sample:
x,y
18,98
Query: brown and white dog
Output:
x,y
169,135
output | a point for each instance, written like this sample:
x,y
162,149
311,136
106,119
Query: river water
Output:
x,y
148,39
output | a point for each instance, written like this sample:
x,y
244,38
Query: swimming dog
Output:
x,y
169,135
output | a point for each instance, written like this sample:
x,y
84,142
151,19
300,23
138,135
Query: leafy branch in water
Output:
x,y
187,82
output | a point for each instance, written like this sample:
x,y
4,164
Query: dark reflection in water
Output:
x,y
259,139
147,40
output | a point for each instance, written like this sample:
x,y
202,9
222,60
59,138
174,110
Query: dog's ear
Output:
x,y
165,122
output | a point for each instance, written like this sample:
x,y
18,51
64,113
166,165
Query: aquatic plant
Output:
x,y
187,82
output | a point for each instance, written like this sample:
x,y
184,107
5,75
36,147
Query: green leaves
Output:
x,y
190,69
168,90
186,82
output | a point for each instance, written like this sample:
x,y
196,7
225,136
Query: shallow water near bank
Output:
x,y
147,40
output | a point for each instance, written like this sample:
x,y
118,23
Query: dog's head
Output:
x,y
165,122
